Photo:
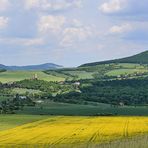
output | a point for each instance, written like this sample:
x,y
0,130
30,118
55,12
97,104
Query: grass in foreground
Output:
x,y
74,131
135,142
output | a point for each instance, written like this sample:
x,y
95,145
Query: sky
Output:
x,y
71,32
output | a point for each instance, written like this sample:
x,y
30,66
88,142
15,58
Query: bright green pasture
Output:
x,y
117,72
11,76
80,74
129,65
24,90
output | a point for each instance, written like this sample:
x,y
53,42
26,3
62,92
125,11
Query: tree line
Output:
x,y
128,92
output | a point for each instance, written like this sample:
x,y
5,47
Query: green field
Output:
x,y
11,121
92,109
24,90
11,76
125,71
74,73
128,65
126,68
115,69
80,74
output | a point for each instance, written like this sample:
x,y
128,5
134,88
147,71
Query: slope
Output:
x,y
141,58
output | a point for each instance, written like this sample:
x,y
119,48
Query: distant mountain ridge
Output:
x,y
141,58
45,66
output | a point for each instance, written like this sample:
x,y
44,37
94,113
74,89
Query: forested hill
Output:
x,y
141,58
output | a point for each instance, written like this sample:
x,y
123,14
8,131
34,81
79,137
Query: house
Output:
x,y
39,101
23,97
121,104
77,83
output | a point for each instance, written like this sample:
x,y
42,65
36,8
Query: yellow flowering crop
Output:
x,y
56,131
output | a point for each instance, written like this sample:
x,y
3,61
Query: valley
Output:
x,y
109,96
73,74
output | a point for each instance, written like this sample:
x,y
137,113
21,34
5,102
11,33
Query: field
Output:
x,y
74,73
24,90
80,74
82,123
125,71
11,121
55,108
74,131
11,76
71,74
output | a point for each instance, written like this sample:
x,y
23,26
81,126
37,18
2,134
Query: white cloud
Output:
x,y
112,6
76,23
66,32
31,3
3,22
73,35
52,4
33,42
40,4
120,28
4,4
129,9
23,41
51,23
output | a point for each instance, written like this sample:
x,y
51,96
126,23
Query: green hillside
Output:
x,y
121,85
141,58
12,76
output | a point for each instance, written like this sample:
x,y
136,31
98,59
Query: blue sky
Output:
x,y
71,32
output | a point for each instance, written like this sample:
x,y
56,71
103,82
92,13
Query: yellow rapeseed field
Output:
x,y
66,131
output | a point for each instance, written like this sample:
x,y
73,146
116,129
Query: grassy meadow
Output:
x,y
61,131
80,74
75,73
24,90
125,71
11,76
